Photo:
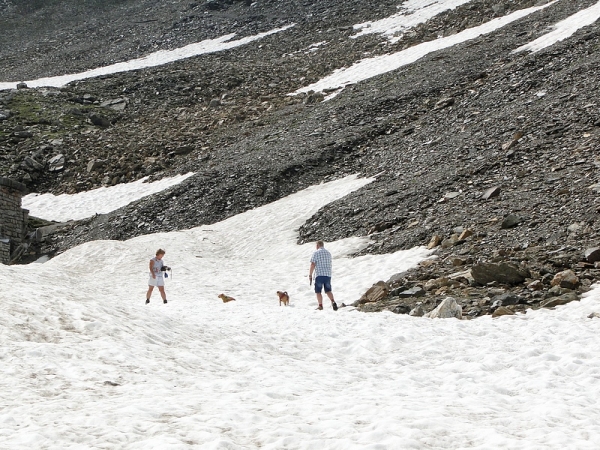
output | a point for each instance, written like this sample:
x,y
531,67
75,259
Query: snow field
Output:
x,y
85,364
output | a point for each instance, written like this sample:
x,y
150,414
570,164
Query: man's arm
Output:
x,y
152,268
310,272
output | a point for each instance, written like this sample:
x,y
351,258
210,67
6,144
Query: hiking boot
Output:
x,y
165,300
334,305
147,301
320,307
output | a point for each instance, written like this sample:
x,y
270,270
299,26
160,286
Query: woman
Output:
x,y
157,267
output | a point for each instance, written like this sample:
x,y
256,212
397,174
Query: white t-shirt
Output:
x,y
158,263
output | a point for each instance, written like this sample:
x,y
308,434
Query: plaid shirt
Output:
x,y
322,260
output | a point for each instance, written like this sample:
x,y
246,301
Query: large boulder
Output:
x,y
562,300
445,310
56,163
375,293
566,279
503,272
592,254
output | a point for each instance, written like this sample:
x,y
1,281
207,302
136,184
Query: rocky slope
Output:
x,y
489,157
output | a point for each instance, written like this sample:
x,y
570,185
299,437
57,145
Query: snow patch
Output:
x,y
564,29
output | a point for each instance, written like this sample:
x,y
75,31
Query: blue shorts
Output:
x,y
322,282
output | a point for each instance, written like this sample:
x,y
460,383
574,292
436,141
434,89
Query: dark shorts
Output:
x,y
322,282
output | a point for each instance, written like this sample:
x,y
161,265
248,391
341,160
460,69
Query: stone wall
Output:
x,y
13,219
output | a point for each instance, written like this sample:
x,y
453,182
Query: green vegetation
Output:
x,y
30,107
26,108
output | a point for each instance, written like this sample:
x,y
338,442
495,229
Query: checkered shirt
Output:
x,y
322,260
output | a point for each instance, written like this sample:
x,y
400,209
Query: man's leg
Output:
x,y
318,288
320,300
333,303
329,293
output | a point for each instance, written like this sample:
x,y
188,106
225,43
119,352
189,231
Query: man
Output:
x,y
320,264
157,267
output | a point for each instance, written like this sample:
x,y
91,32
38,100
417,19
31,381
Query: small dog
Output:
x,y
283,298
226,298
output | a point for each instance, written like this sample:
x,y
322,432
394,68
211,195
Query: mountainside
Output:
x,y
491,152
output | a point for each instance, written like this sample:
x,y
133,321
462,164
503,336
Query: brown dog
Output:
x,y
283,298
226,298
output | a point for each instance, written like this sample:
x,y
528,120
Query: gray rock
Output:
x,y
430,285
498,9
491,193
447,309
507,299
434,242
566,279
397,277
99,121
557,290
510,221
31,164
444,103
416,291
505,273
313,97
56,163
117,104
375,293
4,114
592,254
417,311
574,228
562,300
465,234
23,134
536,285
451,241
512,142
449,196
94,164
503,311
401,309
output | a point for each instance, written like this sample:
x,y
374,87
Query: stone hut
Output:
x,y
13,219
